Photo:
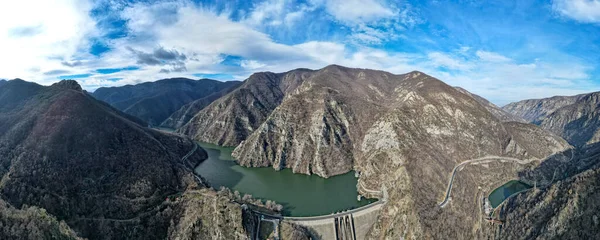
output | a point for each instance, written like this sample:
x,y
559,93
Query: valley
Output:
x,y
334,153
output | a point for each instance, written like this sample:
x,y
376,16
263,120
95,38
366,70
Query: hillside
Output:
x,y
230,119
154,102
31,223
574,118
534,110
98,170
565,205
188,111
492,108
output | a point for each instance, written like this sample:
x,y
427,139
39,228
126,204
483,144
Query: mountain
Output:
x,y
492,108
154,102
574,118
78,160
2,81
564,206
403,134
579,122
339,117
230,119
188,111
533,110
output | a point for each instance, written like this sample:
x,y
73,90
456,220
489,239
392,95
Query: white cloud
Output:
x,y
252,64
491,56
501,80
267,12
44,39
439,59
276,12
35,36
581,10
358,11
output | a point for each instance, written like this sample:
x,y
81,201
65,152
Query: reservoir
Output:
x,y
300,195
503,192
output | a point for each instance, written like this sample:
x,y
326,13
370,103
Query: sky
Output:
x,y
502,50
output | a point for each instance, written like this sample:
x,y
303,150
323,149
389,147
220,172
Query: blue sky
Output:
x,y
502,50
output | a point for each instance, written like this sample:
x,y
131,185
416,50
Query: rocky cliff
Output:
x,y
232,118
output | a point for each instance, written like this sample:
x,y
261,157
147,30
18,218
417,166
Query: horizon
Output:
x,y
504,52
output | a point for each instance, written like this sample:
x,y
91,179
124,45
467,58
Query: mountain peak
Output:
x,y
68,84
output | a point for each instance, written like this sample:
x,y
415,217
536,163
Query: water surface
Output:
x,y
503,192
301,195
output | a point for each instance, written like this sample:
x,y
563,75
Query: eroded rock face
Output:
x,y
231,119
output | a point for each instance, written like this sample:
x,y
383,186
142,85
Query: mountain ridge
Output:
x,y
575,118
154,102
78,158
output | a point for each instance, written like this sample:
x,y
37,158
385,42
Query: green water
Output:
x,y
301,195
503,192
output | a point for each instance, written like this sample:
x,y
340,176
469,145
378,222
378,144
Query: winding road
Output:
x,y
483,159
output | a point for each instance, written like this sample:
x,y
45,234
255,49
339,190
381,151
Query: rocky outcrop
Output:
x,y
231,119
290,231
31,223
154,102
534,110
204,214
68,84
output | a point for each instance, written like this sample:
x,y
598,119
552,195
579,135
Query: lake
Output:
x,y
301,195
503,192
